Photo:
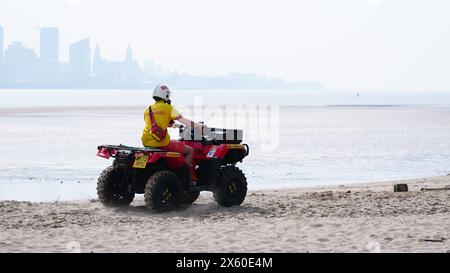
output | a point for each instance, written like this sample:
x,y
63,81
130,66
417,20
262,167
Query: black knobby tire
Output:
x,y
190,197
163,192
112,189
231,187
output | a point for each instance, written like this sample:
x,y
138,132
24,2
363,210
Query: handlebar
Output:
x,y
183,128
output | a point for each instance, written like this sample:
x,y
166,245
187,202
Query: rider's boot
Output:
x,y
193,175
190,177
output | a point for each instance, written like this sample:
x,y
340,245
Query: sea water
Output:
x,y
48,138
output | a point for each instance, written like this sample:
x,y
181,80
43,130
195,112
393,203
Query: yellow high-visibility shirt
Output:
x,y
164,114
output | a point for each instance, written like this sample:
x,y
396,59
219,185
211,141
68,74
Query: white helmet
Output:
x,y
162,91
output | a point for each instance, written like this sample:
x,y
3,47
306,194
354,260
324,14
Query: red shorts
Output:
x,y
174,146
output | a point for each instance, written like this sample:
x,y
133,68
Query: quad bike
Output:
x,y
164,178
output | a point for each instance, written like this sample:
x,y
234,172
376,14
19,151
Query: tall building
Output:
x,y
105,71
49,55
130,69
20,63
97,62
80,60
1,44
49,42
129,55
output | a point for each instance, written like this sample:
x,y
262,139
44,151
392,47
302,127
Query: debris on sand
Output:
x,y
446,188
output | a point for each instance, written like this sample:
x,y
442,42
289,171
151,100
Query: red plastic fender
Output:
x,y
173,159
222,150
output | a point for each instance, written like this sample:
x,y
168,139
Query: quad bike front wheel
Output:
x,y
112,189
231,187
163,192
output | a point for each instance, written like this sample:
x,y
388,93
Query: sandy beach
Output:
x,y
356,218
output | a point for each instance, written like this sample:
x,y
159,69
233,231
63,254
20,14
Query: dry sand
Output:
x,y
356,218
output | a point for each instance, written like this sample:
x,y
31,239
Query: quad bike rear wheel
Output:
x,y
163,192
112,189
231,187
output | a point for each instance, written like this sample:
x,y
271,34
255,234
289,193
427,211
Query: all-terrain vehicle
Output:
x,y
164,178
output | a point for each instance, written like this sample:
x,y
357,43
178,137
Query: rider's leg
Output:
x,y
180,147
188,154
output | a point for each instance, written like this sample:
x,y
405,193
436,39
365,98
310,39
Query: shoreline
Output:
x,y
371,185
351,218
416,184
23,110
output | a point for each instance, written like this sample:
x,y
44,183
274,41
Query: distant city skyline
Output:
x,y
22,67
364,45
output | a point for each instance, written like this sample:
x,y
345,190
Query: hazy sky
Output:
x,y
396,45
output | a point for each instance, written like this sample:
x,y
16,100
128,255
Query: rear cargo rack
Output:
x,y
129,148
